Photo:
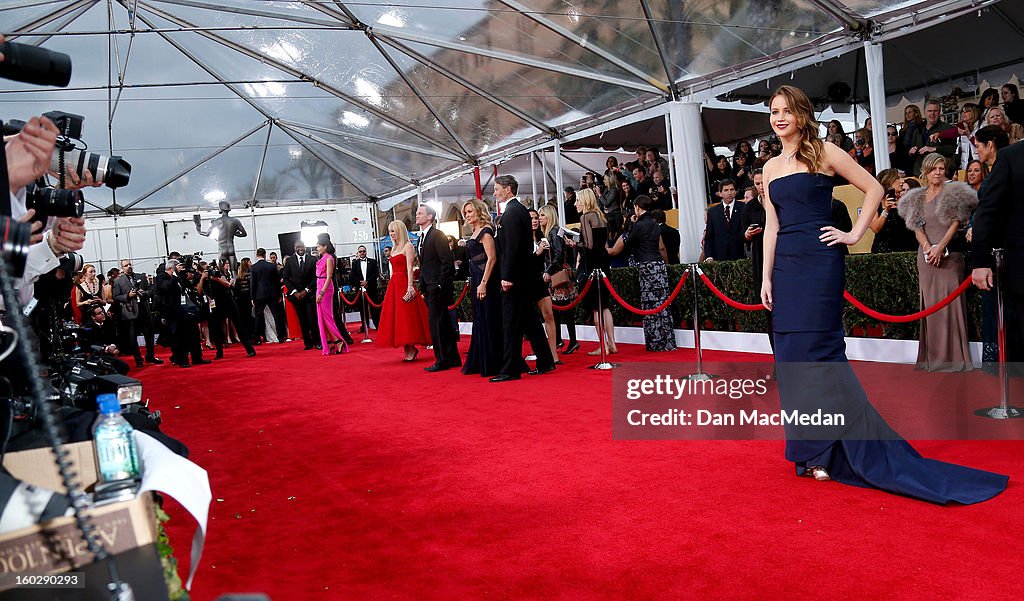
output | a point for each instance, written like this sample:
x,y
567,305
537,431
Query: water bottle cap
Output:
x,y
108,403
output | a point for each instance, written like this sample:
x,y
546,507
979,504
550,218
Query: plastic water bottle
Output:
x,y
116,456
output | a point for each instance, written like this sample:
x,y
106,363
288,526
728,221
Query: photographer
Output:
x,y
27,155
131,292
97,332
862,152
176,299
223,309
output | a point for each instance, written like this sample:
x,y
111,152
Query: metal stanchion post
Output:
x,y
700,375
598,277
365,317
1004,410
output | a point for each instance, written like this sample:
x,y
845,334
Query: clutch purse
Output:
x,y
561,278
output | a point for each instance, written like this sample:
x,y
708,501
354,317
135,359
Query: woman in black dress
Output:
x,y
593,254
89,290
644,243
485,346
557,259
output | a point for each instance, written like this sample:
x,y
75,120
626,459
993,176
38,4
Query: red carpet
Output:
x,y
359,477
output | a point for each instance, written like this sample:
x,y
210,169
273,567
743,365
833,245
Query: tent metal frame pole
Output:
x,y
79,7
327,163
428,62
252,12
197,164
671,162
255,107
558,181
394,33
538,18
544,177
659,45
350,153
263,161
449,156
297,73
533,178
467,153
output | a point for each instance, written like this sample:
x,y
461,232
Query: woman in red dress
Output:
x,y
403,317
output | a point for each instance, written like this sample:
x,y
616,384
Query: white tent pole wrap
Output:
x,y
876,96
671,163
558,182
544,176
688,155
533,178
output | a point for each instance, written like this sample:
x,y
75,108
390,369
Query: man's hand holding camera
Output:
x,y
29,152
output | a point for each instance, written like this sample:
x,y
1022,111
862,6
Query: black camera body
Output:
x,y
53,202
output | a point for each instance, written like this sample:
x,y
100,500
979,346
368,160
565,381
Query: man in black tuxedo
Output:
x,y
519,285
998,221
723,235
437,268
265,287
365,274
300,279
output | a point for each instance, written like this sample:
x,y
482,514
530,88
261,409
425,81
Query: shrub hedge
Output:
x,y
885,282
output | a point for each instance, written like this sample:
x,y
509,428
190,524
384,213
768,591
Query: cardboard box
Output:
x,y
57,545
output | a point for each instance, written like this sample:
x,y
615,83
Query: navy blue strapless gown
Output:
x,y
813,373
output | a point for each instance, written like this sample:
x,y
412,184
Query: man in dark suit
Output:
x,y
265,288
131,292
365,274
519,286
437,268
998,221
723,235
179,307
669,235
300,279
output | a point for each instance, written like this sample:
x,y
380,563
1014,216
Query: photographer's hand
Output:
x,y
73,182
67,235
37,226
29,152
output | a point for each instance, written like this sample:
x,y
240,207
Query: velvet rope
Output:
x,y
346,301
732,303
461,297
658,309
370,302
913,316
577,300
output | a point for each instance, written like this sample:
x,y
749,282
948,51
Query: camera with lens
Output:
x,y
112,171
14,244
53,202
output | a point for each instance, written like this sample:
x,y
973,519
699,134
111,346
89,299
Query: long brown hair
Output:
x,y
811,150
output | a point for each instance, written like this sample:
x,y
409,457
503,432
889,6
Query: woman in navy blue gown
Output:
x,y
804,263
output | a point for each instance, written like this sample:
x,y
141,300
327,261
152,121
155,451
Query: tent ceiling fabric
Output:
x,y
295,101
918,60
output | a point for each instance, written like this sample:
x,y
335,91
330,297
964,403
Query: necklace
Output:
x,y
92,287
789,157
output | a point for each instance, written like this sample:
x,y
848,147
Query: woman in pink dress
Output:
x,y
330,336
403,317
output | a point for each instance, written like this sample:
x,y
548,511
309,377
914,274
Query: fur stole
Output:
x,y
956,202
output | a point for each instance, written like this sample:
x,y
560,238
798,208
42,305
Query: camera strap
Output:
x,y
5,187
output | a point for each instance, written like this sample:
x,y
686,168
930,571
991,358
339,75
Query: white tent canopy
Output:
x,y
307,101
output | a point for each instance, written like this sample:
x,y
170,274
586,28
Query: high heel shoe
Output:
x,y
572,348
817,472
342,347
415,353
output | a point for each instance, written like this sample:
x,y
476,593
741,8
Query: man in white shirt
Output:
x,y
27,156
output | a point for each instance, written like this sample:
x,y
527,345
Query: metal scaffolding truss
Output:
x,y
281,102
